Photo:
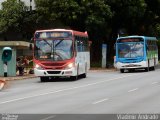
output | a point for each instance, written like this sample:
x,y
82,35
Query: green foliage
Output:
x,y
128,14
158,28
110,16
103,19
11,15
57,9
84,12
97,12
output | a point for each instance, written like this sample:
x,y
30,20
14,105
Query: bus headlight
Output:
x,y
70,65
38,67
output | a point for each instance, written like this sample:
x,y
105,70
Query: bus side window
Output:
x,y
79,44
82,44
86,47
75,46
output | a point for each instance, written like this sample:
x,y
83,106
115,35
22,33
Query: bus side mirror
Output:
x,y
6,54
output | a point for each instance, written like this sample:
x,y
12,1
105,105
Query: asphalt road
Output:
x,y
102,92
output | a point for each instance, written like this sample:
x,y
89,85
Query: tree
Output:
x,y
73,11
103,19
152,21
11,15
51,11
127,20
81,15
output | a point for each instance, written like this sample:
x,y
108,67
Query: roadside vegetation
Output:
x,y
104,20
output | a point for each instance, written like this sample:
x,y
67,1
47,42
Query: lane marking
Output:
x,y
133,90
100,101
62,90
50,117
154,83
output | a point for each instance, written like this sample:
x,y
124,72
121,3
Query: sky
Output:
x,y
27,2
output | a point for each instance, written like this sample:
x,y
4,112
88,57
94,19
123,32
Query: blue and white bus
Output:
x,y
136,52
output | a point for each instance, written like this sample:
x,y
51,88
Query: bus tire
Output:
x,y
153,68
122,70
75,77
44,79
84,75
147,68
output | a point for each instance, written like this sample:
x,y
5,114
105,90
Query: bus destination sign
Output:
x,y
131,40
44,35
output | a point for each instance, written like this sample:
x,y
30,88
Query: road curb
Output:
x,y
2,83
18,78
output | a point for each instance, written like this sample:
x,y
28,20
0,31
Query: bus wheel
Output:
x,y
44,79
122,70
75,77
147,69
153,68
84,75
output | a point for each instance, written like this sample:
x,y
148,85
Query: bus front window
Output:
x,y
130,50
55,50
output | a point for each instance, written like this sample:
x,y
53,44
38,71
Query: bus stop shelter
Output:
x,y
17,47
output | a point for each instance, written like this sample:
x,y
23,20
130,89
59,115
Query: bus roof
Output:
x,y
72,31
136,36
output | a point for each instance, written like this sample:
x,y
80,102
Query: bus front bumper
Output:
x,y
120,65
55,73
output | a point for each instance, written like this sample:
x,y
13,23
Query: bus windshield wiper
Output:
x,y
58,42
52,48
47,42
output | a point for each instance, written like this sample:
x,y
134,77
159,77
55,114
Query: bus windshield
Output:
x,y
55,50
130,49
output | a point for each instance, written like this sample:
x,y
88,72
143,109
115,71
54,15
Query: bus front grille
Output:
x,y
53,72
131,65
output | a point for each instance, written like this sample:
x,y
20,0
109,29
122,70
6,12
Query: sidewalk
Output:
x,y
25,76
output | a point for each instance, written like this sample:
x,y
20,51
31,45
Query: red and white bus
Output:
x,y
61,53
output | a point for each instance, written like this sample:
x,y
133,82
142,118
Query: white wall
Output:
x,y
27,2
